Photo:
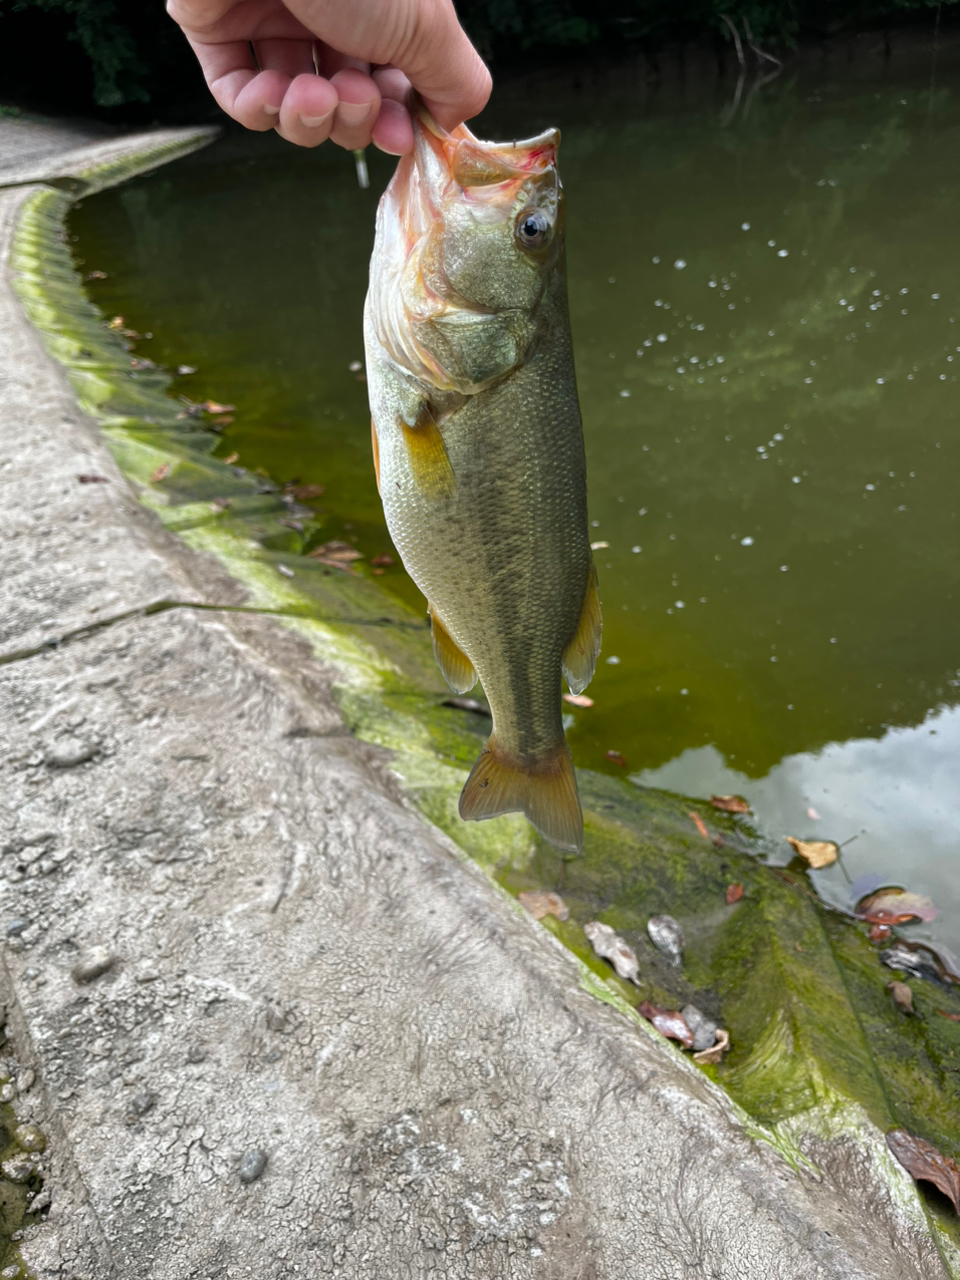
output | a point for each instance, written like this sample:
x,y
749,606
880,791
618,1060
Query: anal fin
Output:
x,y
546,791
432,472
580,655
376,453
457,668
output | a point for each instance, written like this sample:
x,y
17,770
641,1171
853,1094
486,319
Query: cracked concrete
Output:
x,y
320,1042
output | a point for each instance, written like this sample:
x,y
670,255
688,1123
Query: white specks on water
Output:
x,y
782,253
625,395
661,337
746,542
679,604
771,244
935,296
744,226
871,487
613,660
655,261
636,550
680,263
784,568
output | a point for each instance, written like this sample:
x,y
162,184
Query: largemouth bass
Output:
x,y
478,448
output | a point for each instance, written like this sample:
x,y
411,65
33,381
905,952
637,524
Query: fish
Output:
x,y
478,448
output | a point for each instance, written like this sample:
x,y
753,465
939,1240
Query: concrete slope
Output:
x,y
275,1025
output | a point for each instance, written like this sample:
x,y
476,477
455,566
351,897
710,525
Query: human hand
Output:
x,y
338,69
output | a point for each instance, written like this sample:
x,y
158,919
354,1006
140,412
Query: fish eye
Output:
x,y
533,228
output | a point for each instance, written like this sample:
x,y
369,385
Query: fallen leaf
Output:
x,y
305,492
925,1163
214,406
617,757
610,946
668,1022
954,1017
540,903
223,421
819,853
598,546
116,323
902,996
338,555
231,459
578,699
93,479
716,1051
894,906
161,472
879,932
812,814
730,804
701,826
383,561
467,704
734,893
667,936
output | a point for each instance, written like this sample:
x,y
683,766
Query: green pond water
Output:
x,y
765,298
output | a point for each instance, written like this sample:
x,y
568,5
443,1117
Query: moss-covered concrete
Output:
x,y
817,1041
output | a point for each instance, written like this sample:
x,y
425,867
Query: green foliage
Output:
x,y
119,67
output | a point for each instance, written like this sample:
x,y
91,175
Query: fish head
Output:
x,y
470,235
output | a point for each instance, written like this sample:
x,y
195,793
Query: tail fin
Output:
x,y
546,792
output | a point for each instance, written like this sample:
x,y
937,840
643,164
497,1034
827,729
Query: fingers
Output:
x,y
393,130
357,108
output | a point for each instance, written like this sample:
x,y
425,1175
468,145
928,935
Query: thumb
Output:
x,y
443,66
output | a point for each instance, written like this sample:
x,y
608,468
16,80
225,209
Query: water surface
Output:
x,y
765,298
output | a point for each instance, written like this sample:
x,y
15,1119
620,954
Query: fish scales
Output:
x,y
480,452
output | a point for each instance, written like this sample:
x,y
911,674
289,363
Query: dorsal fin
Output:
x,y
580,655
453,662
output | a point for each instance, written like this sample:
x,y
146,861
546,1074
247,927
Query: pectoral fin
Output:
x,y
453,662
580,655
432,472
376,453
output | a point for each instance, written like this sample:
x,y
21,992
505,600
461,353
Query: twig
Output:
x,y
761,53
736,40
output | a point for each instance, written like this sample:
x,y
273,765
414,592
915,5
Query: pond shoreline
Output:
x,y
226,971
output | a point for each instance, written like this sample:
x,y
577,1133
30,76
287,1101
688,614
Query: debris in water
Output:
x,y
925,1163
338,555
921,961
116,323
578,699
304,492
894,906
231,459
902,996
161,472
704,1029
667,936
467,704
599,546
716,1051
879,932
819,853
701,826
383,561
184,370
541,902
617,757
96,275
812,814
610,946
734,893
730,804
668,1022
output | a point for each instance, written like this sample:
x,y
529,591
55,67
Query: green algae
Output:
x,y
817,1041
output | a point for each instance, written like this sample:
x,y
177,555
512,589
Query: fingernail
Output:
x,y
271,111
314,122
354,113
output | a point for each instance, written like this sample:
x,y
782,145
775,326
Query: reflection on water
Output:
x,y
767,321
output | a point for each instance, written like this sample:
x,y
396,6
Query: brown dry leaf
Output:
x,y
306,492
925,1163
231,459
617,757
668,1022
894,906
93,479
223,421
214,406
541,902
338,555
819,853
383,561
730,804
701,826
902,996
161,472
716,1051
879,932
611,946
734,893
954,1017
578,699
